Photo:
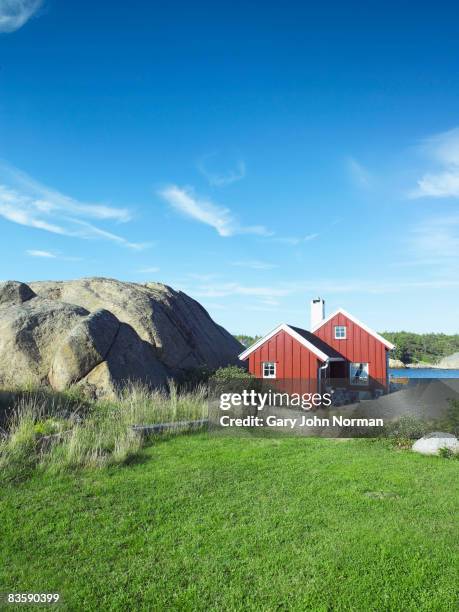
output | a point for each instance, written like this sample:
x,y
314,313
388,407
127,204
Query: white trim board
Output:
x,y
388,344
286,328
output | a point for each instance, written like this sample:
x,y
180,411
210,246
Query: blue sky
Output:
x,y
253,155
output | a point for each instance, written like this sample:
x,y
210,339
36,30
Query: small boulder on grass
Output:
x,y
431,444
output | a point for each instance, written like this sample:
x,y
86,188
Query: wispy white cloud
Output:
x,y
227,289
221,218
15,13
254,264
205,211
437,237
47,200
275,296
443,151
270,301
359,175
14,208
440,185
88,230
26,202
220,179
294,240
50,255
45,254
358,287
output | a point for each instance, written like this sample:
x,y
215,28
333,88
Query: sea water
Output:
x,y
422,373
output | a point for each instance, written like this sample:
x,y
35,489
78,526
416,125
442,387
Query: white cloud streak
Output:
x,y
294,240
443,150
437,237
205,211
47,200
50,255
26,202
187,203
44,254
441,185
359,174
221,179
272,295
228,289
15,13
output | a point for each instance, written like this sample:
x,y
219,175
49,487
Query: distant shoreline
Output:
x,y
422,366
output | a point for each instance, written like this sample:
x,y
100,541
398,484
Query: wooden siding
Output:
x,y
359,346
294,361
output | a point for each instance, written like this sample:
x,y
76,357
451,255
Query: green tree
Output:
x,y
411,347
246,340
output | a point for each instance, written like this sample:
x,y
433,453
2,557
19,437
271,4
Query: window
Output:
x,y
358,374
269,369
340,332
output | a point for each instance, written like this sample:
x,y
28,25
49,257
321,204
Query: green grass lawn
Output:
x,y
220,523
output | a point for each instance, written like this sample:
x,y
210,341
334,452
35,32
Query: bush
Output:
x,y
406,427
232,379
404,431
446,453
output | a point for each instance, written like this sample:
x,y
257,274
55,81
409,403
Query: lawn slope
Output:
x,y
202,522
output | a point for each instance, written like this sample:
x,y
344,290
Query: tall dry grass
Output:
x,y
56,432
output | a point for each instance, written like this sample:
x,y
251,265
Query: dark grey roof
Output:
x,y
318,343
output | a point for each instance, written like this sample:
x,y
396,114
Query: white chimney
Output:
x,y
317,311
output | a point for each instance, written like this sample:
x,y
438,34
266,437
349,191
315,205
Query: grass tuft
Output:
x,y
60,432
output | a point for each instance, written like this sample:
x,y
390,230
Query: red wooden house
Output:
x,y
339,352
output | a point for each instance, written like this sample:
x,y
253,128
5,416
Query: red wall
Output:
x,y
358,346
293,360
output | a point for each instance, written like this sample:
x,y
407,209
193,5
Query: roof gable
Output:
x,y
370,331
308,340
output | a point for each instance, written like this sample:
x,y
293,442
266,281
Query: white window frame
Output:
x,y
269,363
343,327
365,382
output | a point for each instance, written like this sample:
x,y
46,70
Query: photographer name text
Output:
x,y
292,422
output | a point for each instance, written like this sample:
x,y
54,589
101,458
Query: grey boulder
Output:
x,y
29,333
103,334
180,329
450,362
433,442
85,346
14,292
130,359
